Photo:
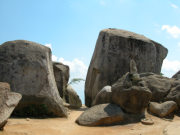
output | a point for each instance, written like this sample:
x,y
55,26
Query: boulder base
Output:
x,y
103,114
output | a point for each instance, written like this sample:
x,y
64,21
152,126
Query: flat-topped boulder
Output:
x,y
27,67
111,59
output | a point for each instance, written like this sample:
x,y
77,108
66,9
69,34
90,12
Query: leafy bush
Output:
x,y
76,80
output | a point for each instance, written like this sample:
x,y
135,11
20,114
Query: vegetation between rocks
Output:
x,y
32,111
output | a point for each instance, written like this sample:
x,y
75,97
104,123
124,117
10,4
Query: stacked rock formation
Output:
x,y
27,67
129,95
111,59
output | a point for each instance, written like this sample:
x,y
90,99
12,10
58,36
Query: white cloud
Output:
x,y
173,66
174,6
174,31
49,45
77,68
54,58
102,2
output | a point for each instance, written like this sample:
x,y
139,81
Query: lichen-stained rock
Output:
x,y
174,95
159,85
71,97
103,114
132,96
61,74
104,96
27,67
162,109
8,101
111,59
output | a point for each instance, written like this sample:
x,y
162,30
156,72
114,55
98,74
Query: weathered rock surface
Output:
x,y
162,109
71,97
111,59
103,114
175,75
159,85
61,74
8,101
172,129
27,67
104,96
174,95
132,97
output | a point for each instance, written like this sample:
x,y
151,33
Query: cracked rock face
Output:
x,y
27,67
8,101
111,59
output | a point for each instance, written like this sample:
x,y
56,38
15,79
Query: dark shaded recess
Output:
x,y
67,96
30,99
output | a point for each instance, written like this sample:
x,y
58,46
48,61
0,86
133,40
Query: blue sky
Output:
x,y
71,27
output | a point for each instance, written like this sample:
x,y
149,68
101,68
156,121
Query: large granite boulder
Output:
x,y
159,85
8,101
174,95
71,97
61,74
162,109
175,75
111,59
27,67
103,114
104,96
131,95
107,114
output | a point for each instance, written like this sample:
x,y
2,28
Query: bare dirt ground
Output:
x,y
64,126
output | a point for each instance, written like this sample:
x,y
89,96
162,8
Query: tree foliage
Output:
x,y
76,80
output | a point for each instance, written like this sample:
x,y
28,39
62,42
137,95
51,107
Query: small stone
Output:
x,y
27,119
147,121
